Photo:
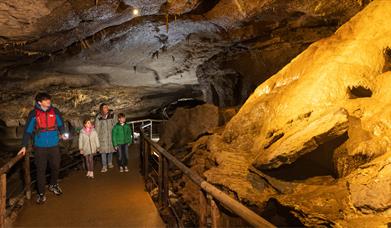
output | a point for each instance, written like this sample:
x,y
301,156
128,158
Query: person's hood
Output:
x,y
110,112
40,108
84,130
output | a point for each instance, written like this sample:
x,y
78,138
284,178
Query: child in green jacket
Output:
x,y
122,136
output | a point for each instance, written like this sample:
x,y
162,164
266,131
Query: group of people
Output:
x,y
111,133
45,127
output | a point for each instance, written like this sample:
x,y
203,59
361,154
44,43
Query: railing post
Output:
x,y
150,131
142,152
160,180
203,210
165,182
242,211
27,177
215,214
3,198
147,151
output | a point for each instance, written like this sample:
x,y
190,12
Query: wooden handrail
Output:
x,y
7,166
232,204
27,180
3,182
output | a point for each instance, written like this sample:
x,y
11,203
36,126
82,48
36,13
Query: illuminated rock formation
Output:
x,y
327,167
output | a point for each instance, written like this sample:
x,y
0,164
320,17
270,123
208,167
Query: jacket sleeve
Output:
x,y
29,128
97,125
81,141
115,119
114,136
60,121
97,140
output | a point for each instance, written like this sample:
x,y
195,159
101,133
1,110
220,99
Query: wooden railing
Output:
x,y
3,183
149,148
27,180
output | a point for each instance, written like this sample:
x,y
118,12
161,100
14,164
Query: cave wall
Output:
x,y
314,138
166,43
88,52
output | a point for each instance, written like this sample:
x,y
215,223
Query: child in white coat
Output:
x,y
88,145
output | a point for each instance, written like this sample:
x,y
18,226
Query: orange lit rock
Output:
x,y
301,139
291,114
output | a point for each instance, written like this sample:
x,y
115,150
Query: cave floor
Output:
x,y
111,199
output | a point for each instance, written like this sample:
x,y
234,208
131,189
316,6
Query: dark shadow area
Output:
x,y
215,96
316,163
387,58
204,7
280,215
359,92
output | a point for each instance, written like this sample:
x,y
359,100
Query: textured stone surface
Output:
x,y
349,71
186,125
301,139
370,186
100,46
167,41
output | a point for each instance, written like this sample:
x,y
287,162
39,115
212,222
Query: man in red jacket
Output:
x,y
43,124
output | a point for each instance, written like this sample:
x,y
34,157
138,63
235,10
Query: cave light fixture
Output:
x,y
136,12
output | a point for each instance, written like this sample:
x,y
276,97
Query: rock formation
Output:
x,y
168,49
314,139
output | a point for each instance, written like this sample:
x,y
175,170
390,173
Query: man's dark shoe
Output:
x,y
55,189
41,198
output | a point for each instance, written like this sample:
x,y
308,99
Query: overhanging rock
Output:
x,y
302,139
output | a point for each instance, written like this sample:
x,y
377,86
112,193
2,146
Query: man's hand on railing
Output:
x,y
22,151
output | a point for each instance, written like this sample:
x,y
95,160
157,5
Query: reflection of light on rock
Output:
x,y
136,12
240,8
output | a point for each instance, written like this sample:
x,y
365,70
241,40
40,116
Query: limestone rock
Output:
x,y
186,125
293,109
166,42
370,186
302,138
233,174
317,204
316,80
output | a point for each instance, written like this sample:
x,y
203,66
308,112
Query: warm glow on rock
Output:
x,y
320,124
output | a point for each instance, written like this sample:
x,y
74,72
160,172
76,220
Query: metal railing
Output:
x,y
149,148
147,125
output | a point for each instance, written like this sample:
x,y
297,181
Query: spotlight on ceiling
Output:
x,y
136,12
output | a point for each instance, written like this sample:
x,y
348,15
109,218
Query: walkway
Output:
x,y
112,199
